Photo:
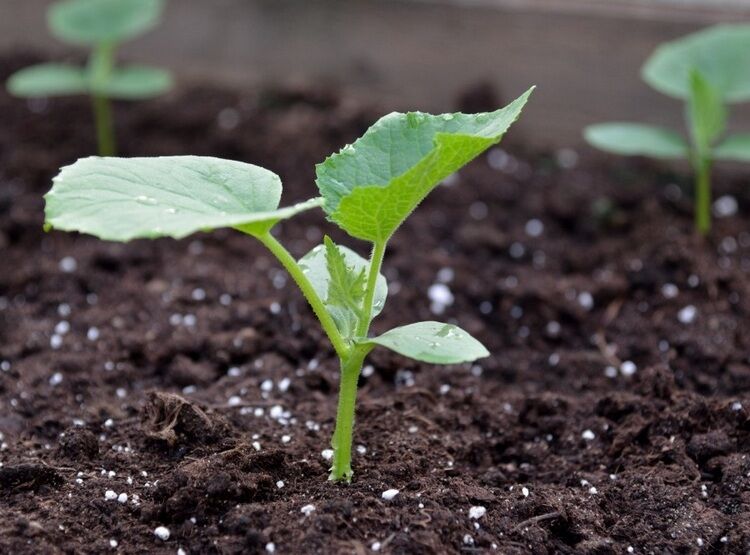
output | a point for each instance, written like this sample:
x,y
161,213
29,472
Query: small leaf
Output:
x,y
706,112
632,139
735,148
346,289
48,80
432,342
120,199
336,272
371,186
95,21
720,53
136,82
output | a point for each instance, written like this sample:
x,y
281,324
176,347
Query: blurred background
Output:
x,y
430,55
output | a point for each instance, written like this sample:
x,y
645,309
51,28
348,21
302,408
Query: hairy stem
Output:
x,y
703,195
299,277
105,133
341,469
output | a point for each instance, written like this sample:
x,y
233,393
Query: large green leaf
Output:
x,y
632,139
432,342
721,53
336,273
734,147
136,82
97,21
706,112
371,186
127,198
48,80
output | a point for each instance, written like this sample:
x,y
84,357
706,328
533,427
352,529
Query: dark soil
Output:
x,y
143,369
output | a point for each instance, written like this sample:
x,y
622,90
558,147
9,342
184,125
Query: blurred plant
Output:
x,y
707,70
368,189
101,25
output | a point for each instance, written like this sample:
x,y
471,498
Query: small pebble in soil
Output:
x,y
468,540
687,314
553,328
113,543
375,546
517,250
110,495
361,449
588,435
440,297
286,439
280,484
586,300
389,494
234,400
270,547
181,551
55,341
275,308
670,290
307,509
68,264
525,491
368,371
162,532
736,406
593,490
122,498
610,372
725,206
198,294
92,334
534,228
628,368
327,454
256,445
445,275
56,379
284,384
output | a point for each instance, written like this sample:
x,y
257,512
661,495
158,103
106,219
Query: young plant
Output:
x,y
100,25
368,189
707,70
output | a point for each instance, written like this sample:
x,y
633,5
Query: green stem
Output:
x,y
376,261
299,277
100,67
342,435
703,195
105,133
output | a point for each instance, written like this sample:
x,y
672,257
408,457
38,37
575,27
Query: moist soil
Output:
x,y
189,380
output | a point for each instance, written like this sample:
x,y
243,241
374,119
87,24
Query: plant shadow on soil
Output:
x,y
144,368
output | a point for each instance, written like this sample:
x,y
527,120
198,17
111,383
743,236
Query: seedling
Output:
x,y
100,25
707,70
368,189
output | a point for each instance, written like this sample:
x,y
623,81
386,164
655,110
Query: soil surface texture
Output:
x,y
179,396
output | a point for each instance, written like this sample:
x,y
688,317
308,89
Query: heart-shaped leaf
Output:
x,y
719,53
96,21
706,112
432,342
371,186
120,199
337,274
48,80
135,82
632,139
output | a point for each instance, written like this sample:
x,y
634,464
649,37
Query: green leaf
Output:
x,y
631,139
706,112
734,147
48,80
371,186
120,199
136,82
95,21
432,342
338,275
721,53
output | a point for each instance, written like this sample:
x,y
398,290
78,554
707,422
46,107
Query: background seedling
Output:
x,y
368,189
707,70
100,25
